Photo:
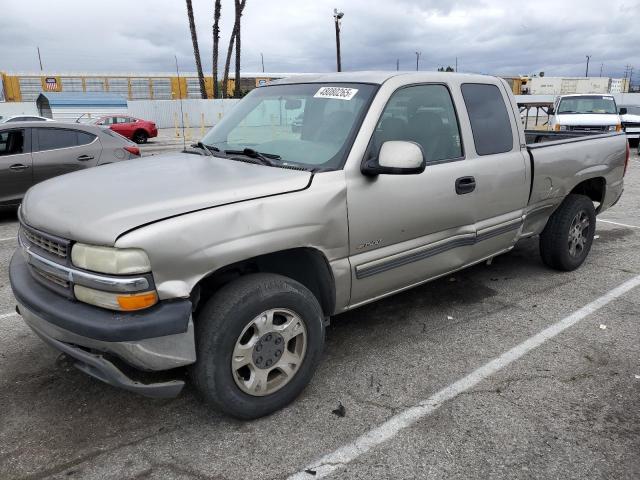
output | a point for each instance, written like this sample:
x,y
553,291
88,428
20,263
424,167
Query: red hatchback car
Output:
x,y
133,128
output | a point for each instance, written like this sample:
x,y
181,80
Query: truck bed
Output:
x,y
561,160
543,136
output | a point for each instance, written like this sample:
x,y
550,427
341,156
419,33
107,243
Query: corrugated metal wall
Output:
x,y
85,114
165,112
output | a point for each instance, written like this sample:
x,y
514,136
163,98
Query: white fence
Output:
x,y
197,112
8,109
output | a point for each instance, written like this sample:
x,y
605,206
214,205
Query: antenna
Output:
x,y
184,141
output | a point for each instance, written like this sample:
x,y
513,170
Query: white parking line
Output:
x,y
616,223
342,456
7,239
7,315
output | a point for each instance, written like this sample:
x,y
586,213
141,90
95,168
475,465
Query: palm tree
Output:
x,y
235,39
196,50
239,7
216,42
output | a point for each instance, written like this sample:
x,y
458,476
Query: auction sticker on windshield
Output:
x,y
340,93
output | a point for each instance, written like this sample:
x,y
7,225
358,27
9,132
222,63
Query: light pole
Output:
x,y
337,16
418,60
586,74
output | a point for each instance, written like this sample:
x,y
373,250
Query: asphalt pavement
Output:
x,y
452,379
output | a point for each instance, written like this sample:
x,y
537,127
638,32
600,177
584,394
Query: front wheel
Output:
x,y
566,240
259,340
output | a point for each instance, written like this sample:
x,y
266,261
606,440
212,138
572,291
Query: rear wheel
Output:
x,y
259,340
566,240
140,136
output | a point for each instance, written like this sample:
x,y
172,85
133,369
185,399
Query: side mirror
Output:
x,y
396,158
623,111
550,111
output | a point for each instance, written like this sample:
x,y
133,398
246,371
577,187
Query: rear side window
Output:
x,y
11,142
85,138
489,118
53,138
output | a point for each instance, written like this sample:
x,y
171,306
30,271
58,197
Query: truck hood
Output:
x,y
588,119
99,204
630,118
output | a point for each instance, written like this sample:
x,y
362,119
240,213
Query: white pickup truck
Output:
x,y
313,196
585,113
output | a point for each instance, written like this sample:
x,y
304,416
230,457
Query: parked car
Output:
x,y
31,152
132,128
630,118
25,118
585,113
233,262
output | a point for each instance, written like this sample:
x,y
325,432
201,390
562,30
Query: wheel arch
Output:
x,y
306,265
594,188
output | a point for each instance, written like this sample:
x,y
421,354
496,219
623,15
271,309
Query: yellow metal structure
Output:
x,y
26,88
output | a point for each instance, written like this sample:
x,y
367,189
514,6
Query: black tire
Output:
x,y
219,325
140,136
555,239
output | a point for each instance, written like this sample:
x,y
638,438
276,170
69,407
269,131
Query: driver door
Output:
x,y
405,229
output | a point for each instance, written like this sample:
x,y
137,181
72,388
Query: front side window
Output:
x,y
11,142
423,114
308,125
489,118
54,138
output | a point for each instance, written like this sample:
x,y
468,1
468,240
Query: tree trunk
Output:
x,y
239,8
196,50
225,78
216,43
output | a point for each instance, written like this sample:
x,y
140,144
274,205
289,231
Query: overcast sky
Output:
x,y
492,36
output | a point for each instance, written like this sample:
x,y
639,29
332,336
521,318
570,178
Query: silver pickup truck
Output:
x,y
314,196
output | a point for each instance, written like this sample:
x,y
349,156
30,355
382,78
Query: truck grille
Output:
x,y
58,248
589,128
47,277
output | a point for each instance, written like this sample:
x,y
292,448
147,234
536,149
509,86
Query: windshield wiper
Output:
x,y
207,148
262,158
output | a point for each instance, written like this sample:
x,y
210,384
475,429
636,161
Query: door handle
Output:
x,y
84,158
18,166
465,185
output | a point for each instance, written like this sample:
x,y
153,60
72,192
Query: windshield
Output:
x,y
308,125
587,104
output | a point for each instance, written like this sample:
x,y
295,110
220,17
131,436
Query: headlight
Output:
x,y
564,127
116,301
117,261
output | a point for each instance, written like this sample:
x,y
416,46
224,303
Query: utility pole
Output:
x,y
587,72
39,58
337,16
456,64
418,60
397,64
262,60
601,67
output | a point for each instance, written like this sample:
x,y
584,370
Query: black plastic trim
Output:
x,y
416,256
164,318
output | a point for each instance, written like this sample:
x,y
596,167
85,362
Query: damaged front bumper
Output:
x,y
158,339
